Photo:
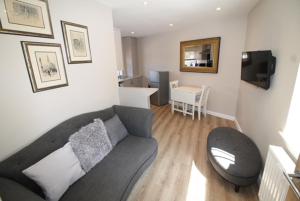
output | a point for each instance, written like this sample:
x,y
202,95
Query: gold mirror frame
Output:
x,y
215,44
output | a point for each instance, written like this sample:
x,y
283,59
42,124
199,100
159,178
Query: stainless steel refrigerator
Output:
x,y
160,80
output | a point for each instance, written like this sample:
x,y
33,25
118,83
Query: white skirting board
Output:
x,y
238,126
224,116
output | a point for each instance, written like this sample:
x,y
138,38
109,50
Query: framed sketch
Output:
x,y
77,43
26,17
200,56
45,65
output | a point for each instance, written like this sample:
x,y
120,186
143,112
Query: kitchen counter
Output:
x,y
135,81
125,78
136,96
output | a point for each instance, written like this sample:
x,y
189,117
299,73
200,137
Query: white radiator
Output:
x,y
274,186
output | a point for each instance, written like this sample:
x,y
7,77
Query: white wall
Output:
x,y
161,52
274,25
25,115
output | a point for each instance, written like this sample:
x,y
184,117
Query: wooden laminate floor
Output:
x,y
181,171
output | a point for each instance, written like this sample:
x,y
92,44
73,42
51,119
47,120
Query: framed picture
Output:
x,y
26,17
45,65
200,56
77,43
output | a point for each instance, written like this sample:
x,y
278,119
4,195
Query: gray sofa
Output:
x,y
110,180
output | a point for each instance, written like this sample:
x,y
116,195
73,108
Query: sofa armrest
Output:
x,y
12,191
138,121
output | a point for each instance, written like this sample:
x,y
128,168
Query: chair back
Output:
x,y
205,97
174,84
199,99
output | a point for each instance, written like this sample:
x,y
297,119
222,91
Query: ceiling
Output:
x,y
156,17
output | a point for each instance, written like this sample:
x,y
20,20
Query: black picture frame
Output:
x,y
19,31
69,46
34,71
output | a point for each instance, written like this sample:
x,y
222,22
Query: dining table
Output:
x,y
185,95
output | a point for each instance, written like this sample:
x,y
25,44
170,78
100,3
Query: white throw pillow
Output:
x,y
56,172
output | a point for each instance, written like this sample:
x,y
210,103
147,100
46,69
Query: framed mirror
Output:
x,y
200,56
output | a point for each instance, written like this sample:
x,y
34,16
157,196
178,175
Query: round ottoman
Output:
x,y
234,156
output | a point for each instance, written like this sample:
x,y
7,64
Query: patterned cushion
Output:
x,y
91,144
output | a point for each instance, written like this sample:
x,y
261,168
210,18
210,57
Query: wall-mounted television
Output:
x,y
258,67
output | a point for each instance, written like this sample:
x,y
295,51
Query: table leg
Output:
x,y
193,111
172,107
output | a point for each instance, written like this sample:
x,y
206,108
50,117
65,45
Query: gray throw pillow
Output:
x,y
56,172
115,129
91,144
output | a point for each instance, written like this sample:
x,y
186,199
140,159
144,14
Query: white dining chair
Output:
x,y
201,101
193,102
206,100
176,105
189,106
174,84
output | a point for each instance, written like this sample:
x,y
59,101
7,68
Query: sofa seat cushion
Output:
x,y
111,179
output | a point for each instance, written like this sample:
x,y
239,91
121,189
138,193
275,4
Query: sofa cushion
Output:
x,y
91,144
115,129
52,140
138,121
114,176
56,172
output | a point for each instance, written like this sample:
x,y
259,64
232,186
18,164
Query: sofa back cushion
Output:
x,y
54,139
115,129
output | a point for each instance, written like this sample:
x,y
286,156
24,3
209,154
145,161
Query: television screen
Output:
x,y
257,67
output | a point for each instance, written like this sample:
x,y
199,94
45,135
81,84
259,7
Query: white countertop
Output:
x,y
136,96
140,90
189,89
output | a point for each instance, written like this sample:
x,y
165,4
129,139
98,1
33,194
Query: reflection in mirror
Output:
x,y
198,56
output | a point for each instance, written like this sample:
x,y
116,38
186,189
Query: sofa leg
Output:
x,y
236,188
